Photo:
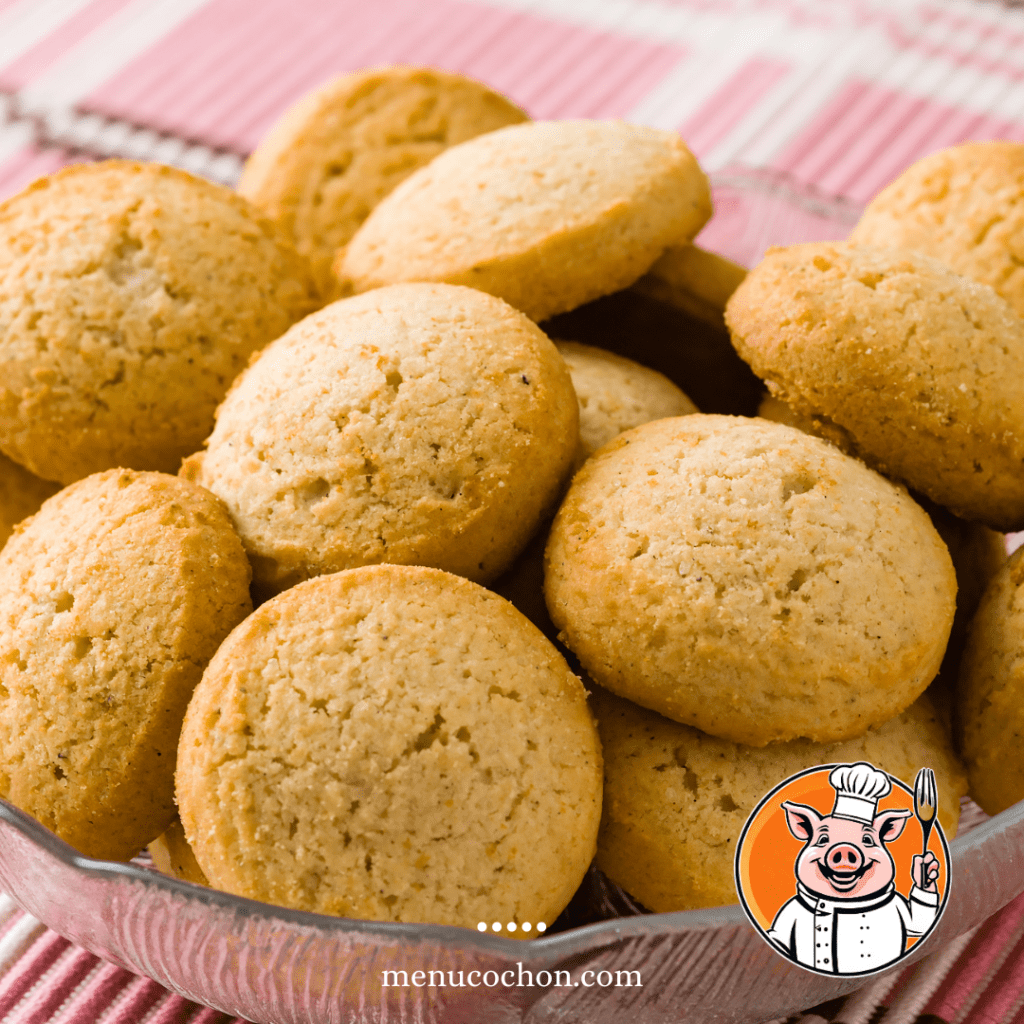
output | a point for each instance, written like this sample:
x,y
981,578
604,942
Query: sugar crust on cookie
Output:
x,y
392,743
419,424
920,368
963,206
112,599
133,295
748,579
547,215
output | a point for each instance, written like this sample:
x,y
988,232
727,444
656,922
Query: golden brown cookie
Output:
x,y
977,553
132,295
335,154
922,368
694,280
991,698
392,743
546,215
21,494
676,799
173,856
617,394
112,599
963,206
748,579
420,424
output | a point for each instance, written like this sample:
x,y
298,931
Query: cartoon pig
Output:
x,y
847,917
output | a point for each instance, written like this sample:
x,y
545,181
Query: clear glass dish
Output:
x,y
267,964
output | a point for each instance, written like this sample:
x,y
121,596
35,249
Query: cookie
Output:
x,y
173,856
991,692
132,295
676,799
617,394
748,579
546,215
922,368
976,551
963,206
112,599
420,424
21,494
694,280
392,743
335,154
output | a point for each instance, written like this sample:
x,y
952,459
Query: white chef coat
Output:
x,y
852,936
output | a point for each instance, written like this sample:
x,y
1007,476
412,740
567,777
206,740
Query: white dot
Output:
x,y
541,926
527,926
482,926
496,926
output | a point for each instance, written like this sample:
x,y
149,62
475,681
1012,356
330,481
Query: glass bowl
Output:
x,y
268,964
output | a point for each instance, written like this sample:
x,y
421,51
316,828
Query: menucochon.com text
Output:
x,y
510,979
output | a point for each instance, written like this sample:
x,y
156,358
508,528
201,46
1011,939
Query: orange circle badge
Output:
x,y
843,868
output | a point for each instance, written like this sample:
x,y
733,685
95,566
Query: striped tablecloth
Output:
x,y
830,99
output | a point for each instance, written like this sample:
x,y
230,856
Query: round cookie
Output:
x,y
21,494
392,743
676,799
112,599
991,692
617,394
748,579
335,154
546,215
420,424
923,369
976,551
963,206
132,295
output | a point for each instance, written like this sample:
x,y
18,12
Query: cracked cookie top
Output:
x,y
748,579
917,370
341,149
131,295
113,597
392,743
419,424
963,206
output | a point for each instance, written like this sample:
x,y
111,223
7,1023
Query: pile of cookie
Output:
x,y
306,468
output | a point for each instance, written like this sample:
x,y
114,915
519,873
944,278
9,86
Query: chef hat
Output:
x,y
858,788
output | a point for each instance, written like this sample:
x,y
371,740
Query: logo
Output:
x,y
843,868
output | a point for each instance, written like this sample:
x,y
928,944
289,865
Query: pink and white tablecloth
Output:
x,y
817,99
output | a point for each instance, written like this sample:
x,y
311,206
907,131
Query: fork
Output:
x,y
926,802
